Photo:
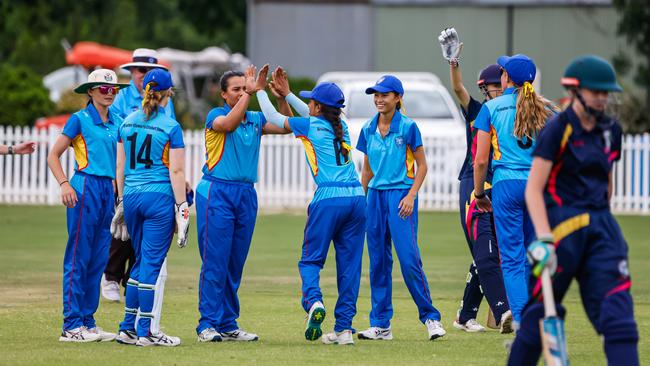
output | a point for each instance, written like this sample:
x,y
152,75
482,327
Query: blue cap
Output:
x,y
520,68
326,93
161,79
385,84
491,74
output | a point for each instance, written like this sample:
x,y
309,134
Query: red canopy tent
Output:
x,y
91,55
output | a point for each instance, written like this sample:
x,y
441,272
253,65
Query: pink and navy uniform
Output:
x,y
589,244
94,143
226,210
392,162
148,207
485,276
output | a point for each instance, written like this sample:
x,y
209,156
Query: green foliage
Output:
x,y
23,98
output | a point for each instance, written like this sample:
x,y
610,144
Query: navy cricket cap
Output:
x,y
326,93
161,79
490,75
385,84
520,68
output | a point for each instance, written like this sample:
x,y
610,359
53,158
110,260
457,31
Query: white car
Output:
x,y
426,101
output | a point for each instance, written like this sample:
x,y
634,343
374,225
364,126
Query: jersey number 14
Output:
x,y
144,154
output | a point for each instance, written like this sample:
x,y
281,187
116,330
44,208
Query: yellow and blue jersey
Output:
x,y
512,157
233,156
333,172
129,100
146,145
94,142
391,157
582,160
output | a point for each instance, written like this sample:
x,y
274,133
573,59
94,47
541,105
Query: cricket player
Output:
x,y
568,195
226,204
485,274
88,196
152,201
393,149
337,211
508,126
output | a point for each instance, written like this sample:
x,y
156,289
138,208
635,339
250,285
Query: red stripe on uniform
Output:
x,y
612,156
622,287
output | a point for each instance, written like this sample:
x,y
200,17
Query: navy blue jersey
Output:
x,y
467,171
582,160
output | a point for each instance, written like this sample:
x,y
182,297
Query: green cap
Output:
x,y
591,72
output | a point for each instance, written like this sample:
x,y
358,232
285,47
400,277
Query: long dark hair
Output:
x,y
333,116
223,81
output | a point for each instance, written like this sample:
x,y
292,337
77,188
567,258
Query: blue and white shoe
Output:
x,y
159,339
374,333
209,335
315,318
129,337
239,335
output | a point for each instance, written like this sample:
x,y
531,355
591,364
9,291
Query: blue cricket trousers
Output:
x,y
150,219
86,252
341,220
383,224
514,231
225,214
590,248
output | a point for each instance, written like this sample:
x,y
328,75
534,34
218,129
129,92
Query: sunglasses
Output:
x,y
141,69
108,89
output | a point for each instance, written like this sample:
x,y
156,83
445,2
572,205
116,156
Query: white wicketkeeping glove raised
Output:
x,y
182,223
118,226
450,44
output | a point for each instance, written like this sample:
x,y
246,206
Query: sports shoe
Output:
x,y
79,335
435,329
103,336
110,290
376,333
159,339
470,326
129,337
239,335
314,320
209,335
340,338
505,326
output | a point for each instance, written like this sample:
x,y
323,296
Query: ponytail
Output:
x,y
152,100
532,111
333,116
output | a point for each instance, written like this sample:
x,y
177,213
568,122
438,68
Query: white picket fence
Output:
x,y
284,178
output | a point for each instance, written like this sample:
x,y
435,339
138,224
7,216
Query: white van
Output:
x,y
426,101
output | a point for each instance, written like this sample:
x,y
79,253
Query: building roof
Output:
x,y
492,2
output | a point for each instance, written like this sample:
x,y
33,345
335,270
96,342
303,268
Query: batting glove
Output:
x,y
450,44
541,254
182,223
118,226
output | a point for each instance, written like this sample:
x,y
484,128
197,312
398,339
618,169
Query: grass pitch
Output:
x,y
32,242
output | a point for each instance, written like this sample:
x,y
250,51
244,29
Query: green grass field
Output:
x,y
31,252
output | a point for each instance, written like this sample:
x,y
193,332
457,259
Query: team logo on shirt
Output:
x,y
623,268
108,77
399,141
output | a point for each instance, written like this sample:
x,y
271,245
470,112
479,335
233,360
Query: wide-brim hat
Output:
x,y
144,57
97,78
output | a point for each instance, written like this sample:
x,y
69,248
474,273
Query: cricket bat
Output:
x,y
552,327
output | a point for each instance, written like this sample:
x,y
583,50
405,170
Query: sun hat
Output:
x,y
144,57
97,78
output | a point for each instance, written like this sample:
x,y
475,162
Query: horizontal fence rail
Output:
x,y
284,178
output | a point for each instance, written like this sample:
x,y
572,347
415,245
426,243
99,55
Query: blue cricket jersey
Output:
x,y
333,172
233,156
146,145
129,100
391,157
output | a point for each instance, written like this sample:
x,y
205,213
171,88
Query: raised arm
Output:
x,y
280,83
231,121
451,48
280,95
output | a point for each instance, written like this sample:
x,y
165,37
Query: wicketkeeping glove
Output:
x,y
118,226
541,254
182,223
450,44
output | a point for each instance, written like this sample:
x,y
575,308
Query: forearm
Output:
x,y
55,167
283,107
420,174
457,85
177,178
537,211
480,173
269,111
232,120
366,176
301,107
4,149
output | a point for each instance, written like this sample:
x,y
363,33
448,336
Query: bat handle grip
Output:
x,y
547,292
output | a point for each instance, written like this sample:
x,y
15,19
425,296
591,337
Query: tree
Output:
x,y
23,98
634,24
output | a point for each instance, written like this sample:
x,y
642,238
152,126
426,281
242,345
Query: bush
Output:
x,y
632,113
23,98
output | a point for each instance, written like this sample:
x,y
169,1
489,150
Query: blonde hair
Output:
x,y
152,100
532,111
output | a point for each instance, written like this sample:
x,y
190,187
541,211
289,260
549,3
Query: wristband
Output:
x,y
479,196
60,184
10,149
